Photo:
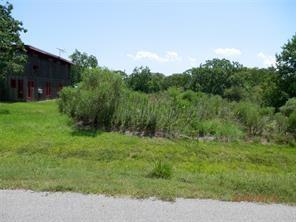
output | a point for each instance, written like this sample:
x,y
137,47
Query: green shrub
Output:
x,y
95,100
289,110
222,129
68,101
281,123
292,122
161,170
249,115
235,93
289,107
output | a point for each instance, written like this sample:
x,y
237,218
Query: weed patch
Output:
x,y
161,170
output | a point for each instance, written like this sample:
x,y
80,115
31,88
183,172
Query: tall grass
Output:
x,y
172,113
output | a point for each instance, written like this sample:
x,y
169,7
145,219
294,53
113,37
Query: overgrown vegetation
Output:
x,y
219,100
103,101
40,150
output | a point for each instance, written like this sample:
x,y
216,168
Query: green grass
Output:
x,y
39,150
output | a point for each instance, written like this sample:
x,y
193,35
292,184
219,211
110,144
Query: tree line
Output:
x,y
231,80
271,86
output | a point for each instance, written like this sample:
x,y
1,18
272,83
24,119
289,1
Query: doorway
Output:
x,y
20,89
30,89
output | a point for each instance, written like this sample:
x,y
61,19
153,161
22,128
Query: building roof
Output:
x,y
46,54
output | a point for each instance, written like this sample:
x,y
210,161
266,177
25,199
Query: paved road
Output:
x,y
28,206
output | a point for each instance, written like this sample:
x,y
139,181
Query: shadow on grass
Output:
x,y
10,102
4,112
86,132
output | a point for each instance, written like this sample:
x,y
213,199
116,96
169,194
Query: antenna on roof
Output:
x,y
61,51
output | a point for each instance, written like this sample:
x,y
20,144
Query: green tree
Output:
x,y
272,93
255,85
156,82
81,61
214,76
286,64
179,80
139,79
142,79
122,74
12,56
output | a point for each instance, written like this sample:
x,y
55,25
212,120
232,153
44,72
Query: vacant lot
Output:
x,y
40,150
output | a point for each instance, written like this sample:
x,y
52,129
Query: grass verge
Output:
x,y
40,151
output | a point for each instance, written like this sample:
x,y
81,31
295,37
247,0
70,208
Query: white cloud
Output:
x,y
170,56
267,60
228,52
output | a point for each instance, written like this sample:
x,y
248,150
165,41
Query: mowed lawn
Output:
x,y
39,150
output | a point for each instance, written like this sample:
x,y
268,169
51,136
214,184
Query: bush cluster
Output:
x,y
95,100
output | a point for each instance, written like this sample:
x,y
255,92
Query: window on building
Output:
x,y
12,83
35,68
47,89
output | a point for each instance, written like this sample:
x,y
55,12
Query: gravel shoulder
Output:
x,y
21,205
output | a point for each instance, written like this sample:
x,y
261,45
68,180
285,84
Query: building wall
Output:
x,y
41,74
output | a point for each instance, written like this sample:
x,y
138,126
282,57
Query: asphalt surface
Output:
x,y
23,206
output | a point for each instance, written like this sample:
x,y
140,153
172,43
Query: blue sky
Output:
x,y
168,36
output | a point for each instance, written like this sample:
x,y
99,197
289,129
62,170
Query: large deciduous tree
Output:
x,y
81,61
214,76
139,79
286,64
142,79
12,56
